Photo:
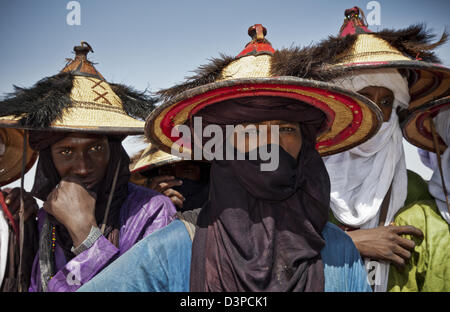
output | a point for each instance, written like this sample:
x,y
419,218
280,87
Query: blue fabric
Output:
x,y
343,267
162,260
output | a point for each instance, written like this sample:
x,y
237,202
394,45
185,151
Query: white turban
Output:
x,y
361,177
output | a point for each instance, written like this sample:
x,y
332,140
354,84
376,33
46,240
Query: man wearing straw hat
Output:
x,y
13,274
370,183
186,183
428,127
91,213
262,229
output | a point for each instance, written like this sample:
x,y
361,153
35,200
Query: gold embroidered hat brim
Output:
x,y
416,124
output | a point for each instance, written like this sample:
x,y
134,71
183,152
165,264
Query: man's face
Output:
x,y
83,156
182,170
382,96
289,137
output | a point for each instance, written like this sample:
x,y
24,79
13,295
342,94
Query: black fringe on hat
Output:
x,y
41,104
294,61
45,102
307,62
204,74
414,41
135,103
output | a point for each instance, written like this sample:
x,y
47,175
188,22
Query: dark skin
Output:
x,y
385,242
168,177
81,161
383,97
289,136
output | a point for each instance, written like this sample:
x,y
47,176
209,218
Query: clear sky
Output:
x,y
155,44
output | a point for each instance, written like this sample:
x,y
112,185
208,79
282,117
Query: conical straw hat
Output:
x,y
152,157
77,99
351,118
408,50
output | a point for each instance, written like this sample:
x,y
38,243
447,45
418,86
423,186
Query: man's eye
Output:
x,y
386,102
96,148
66,152
287,129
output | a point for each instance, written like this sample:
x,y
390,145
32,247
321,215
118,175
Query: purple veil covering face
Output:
x,y
260,230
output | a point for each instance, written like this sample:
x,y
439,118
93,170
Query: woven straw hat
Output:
x,y
152,157
416,126
11,150
259,71
77,99
408,50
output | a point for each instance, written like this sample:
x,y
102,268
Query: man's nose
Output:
x,y
82,165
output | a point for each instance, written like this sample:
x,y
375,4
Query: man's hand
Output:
x,y
72,205
164,184
12,200
385,243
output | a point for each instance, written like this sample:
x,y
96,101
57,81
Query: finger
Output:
x,y
167,185
155,181
159,179
407,230
176,201
399,251
405,243
398,261
172,192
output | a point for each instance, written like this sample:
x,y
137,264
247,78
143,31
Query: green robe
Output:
x,y
429,266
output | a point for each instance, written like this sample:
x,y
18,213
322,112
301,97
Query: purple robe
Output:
x,y
143,212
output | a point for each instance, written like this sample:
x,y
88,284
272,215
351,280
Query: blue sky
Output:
x,y
155,44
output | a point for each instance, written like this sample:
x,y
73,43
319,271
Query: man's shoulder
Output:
x,y
145,203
